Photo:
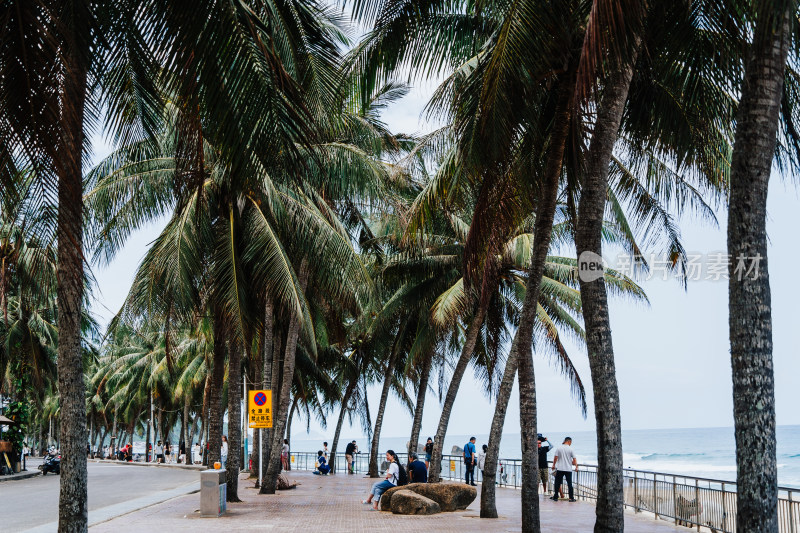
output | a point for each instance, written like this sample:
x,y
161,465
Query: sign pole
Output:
x,y
260,455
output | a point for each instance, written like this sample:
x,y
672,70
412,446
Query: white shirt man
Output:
x,y
563,461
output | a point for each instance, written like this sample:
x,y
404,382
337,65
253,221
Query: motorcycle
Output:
x,y
52,463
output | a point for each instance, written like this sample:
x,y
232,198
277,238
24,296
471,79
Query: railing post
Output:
x,y
697,500
724,508
655,494
791,514
635,492
675,499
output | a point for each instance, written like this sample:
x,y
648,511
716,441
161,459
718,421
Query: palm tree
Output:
x,y
54,47
749,295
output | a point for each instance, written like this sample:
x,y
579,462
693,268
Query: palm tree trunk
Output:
x,y
588,240
520,357
147,453
280,418
434,474
267,358
376,435
103,433
289,427
192,430
749,298
187,425
488,496
72,507
257,374
206,400
345,402
422,391
234,418
216,410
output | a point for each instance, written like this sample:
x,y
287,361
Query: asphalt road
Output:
x,y
33,502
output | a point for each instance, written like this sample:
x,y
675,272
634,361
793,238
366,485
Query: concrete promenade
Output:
x,y
333,504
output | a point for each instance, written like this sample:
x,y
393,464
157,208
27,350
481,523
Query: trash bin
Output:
x,y
213,493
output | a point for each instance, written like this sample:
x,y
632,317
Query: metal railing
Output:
x,y
701,503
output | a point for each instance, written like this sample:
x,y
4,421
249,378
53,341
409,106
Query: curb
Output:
x,y
17,477
154,465
105,514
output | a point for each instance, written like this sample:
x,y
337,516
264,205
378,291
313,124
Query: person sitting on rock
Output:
x,y
417,473
322,468
392,478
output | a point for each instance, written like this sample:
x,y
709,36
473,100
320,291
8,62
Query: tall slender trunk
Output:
x,y
588,240
192,430
147,451
267,358
474,329
114,441
422,391
488,496
216,410
279,420
292,411
72,506
749,298
257,374
187,424
376,435
520,357
345,402
234,417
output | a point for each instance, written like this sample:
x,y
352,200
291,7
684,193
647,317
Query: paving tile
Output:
x,y
333,504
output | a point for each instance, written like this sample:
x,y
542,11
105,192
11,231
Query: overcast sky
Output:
x,y
672,357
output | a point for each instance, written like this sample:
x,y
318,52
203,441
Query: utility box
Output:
x,y
213,493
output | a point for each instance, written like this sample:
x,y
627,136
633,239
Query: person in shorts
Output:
x,y
428,452
544,471
159,451
349,454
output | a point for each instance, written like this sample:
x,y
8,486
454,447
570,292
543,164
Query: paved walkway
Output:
x,y
333,504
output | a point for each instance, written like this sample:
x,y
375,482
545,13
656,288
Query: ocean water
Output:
x,y
699,452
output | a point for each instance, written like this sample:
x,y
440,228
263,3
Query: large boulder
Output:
x,y
449,496
407,502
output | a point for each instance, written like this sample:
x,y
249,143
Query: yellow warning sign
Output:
x,y
452,466
259,409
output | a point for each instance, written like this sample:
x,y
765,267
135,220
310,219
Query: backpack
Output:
x,y
402,476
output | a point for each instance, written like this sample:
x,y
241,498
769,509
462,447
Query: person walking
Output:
x,y
325,450
349,455
428,452
197,454
544,471
563,461
417,470
159,452
470,460
223,452
393,477
167,452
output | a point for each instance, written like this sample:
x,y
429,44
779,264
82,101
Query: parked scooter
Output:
x,y
52,463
